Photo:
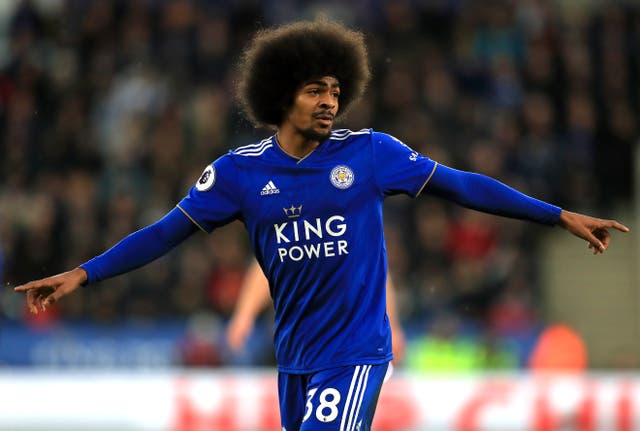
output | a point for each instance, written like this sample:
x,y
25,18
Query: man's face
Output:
x,y
315,105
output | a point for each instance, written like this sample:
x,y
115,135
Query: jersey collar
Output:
x,y
284,154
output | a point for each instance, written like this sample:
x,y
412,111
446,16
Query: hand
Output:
x,y
238,331
44,292
592,229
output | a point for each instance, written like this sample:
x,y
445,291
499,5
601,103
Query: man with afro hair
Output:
x,y
280,60
311,200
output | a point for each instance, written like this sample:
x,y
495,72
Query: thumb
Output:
x,y
594,241
54,296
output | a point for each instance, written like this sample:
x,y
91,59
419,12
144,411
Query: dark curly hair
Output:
x,y
279,60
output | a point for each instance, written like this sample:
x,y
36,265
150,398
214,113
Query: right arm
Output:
x,y
134,251
486,194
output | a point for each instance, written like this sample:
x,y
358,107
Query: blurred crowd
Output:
x,y
110,109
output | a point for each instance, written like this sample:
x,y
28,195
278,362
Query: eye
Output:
x,y
336,94
313,91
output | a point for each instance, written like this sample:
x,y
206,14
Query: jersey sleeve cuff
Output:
x,y
90,275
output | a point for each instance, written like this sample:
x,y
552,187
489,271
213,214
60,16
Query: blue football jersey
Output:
x,y
315,225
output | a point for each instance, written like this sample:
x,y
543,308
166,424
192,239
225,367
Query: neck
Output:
x,y
294,143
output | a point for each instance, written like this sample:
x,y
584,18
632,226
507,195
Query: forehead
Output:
x,y
325,81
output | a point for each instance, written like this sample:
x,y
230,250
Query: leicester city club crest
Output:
x,y
341,176
207,179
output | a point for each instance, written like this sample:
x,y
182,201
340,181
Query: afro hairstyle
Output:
x,y
279,60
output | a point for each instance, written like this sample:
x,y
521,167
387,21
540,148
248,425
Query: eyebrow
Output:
x,y
322,84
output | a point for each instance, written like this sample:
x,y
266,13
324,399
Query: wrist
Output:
x,y
565,217
80,274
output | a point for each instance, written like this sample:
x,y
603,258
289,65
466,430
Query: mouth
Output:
x,y
325,119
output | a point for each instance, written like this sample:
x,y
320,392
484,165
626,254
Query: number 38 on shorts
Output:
x,y
327,408
341,399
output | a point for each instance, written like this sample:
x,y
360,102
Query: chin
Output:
x,y
317,135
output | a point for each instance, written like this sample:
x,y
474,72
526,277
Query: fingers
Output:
x,y
604,236
37,300
599,237
594,242
32,302
41,300
48,300
37,284
619,226
601,223
40,293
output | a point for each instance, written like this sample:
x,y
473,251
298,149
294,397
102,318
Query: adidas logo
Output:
x,y
269,189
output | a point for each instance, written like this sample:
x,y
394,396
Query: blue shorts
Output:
x,y
340,399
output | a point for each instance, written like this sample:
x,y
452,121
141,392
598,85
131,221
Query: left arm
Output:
x,y
488,195
136,250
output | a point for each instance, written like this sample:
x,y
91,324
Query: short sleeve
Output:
x,y
214,200
398,168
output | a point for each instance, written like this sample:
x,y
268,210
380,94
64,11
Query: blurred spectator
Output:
x,y
200,347
446,348
559,348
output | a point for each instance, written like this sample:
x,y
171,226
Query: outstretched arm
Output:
x,y
488,195
132,252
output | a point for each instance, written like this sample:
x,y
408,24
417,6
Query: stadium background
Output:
x,y
110,109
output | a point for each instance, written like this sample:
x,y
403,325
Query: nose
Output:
x,y
327,101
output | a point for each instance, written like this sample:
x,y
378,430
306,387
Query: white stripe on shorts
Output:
x,y
346,404
364,388
357,396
